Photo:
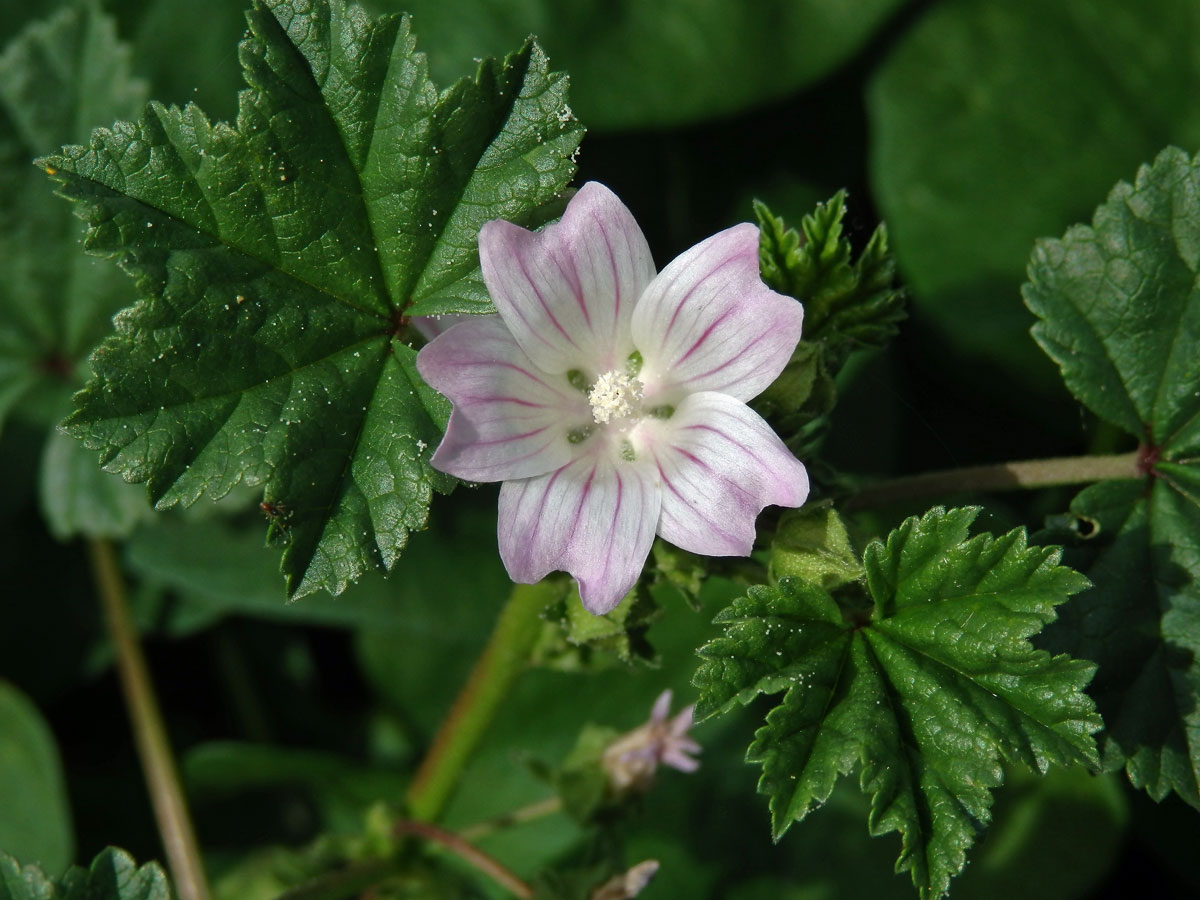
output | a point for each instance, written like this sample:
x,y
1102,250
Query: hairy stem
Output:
x,y
503,659
529,813
469,853
149,732
1034,473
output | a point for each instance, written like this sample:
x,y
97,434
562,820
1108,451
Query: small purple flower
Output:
x,y
633,758
611,401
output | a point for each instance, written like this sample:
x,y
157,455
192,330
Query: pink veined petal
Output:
x,y
593,518
567,292
708,323
510,420
720,464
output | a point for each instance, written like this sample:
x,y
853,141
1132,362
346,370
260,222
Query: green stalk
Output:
x,y
503,659
149,732
1025,475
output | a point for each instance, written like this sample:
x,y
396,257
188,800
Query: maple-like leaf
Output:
x,y
1119,312
279,259
926,691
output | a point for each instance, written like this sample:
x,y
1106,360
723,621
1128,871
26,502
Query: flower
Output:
x,y
611,401
627,885
633,758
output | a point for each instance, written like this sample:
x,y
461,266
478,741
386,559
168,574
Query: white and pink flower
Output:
x,y
611,401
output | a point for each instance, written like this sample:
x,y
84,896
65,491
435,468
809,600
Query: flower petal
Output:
x,y
708,323
720,464
510,420
567,292
593,518
662,706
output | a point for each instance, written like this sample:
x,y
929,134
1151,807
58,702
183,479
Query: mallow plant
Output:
x,y
363,300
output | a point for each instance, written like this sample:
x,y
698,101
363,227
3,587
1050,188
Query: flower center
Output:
x,y
615,396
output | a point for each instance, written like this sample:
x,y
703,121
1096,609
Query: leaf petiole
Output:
x,y
1025,475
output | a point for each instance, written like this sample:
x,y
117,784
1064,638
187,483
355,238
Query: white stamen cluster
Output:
x,y
615,396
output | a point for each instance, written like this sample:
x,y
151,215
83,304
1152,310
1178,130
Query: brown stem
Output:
x,y
468,853
149,732
1034,473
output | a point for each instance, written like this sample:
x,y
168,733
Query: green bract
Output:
x,y
1120,314
278,262
927,691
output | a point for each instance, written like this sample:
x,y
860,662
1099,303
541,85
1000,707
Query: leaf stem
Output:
x,y
503,659
149,732
1027,474
528,813
469,853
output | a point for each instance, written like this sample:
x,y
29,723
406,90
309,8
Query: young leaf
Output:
x,y
36,824
278,262
113,875
928,692
1120,313
849,304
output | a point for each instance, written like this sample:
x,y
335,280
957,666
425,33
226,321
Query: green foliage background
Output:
x,y
972,128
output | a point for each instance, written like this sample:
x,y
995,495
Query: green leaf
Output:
x,y
36,825
78,498
849,304
996,123
219,569
278,260
1119,312
341,789
680,60
58,78
1054,838
113,875
927,693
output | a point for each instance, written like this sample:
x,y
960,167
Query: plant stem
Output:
x,y
1034,473
149,732
528,813
468,853
503,659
